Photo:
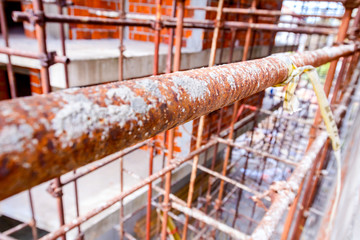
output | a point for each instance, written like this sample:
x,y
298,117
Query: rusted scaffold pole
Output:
x,y
234,115
121,78
152,144
121,41
53,57
342,33
5,34
169,62
60,4
202,118
40,29
41,39
347,67
115,116
166,23
171,133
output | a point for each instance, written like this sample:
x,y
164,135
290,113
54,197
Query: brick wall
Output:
x,y
82,8
85,31
260,38
35,82
29,29
148,7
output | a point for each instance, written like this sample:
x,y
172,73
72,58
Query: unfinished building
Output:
x,y
148,119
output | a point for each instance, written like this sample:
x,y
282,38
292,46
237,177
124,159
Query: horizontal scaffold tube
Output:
x,y
168,23
45,136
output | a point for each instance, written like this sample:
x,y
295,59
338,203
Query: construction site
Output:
x,y
179,119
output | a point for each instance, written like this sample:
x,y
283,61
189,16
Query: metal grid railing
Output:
x,y
230,202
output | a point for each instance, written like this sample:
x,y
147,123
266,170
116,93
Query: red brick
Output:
x,y
177,149
153,10
114,34
99,34
187,33
35,79
168,2
137,36
83,35
143,9
131,7
189,13
28,33
143,37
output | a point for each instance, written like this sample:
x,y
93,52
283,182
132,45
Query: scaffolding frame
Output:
x,y
281,194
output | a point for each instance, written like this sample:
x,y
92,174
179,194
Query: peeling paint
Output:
x,y
195,88
13,137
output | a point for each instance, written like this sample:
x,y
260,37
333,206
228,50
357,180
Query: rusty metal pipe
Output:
x,y
180,205
39,56
41,39
286,194
171,135
249,32
4,32
332,69
170,167
121,42
155,72
15,229
121,208
58,18
62,39
169,23
255,151
149,193
38,132
157,36
202,118
171,42
310,190
228,180
60,205
350,72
